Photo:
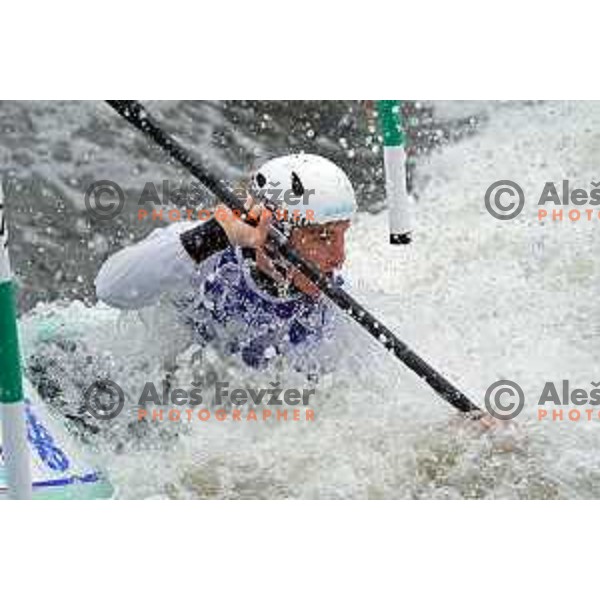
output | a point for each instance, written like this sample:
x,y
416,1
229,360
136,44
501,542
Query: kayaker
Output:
x,y
229,289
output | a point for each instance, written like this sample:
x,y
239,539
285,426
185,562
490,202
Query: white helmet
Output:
x,y
306,182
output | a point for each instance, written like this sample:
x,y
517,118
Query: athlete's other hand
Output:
x,y
239,232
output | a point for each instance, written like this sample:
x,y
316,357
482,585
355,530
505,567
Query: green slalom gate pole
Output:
x,y
394,156
14,433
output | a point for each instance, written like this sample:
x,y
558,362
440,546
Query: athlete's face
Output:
x,y
322,245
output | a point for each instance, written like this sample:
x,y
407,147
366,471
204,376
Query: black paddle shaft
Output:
x,y
139,117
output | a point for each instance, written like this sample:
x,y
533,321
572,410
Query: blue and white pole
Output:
x,y
394,155
14,432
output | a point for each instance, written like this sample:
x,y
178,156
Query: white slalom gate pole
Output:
x,y
14,432
394,156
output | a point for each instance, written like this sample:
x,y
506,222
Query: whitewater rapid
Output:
x,y
479,298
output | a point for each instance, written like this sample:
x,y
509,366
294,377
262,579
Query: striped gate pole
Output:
x,y
394,156
15,449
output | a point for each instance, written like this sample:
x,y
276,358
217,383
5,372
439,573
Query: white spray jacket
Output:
x,y
219,300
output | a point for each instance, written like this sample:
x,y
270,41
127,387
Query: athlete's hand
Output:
x,y
239,232
489,422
